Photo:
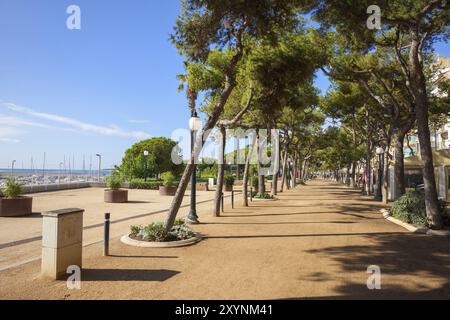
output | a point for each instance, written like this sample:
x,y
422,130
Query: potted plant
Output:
x,y
114,194
228,181
11,203
169,187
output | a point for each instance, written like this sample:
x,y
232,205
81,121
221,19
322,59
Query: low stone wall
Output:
x,y
200,186
61,186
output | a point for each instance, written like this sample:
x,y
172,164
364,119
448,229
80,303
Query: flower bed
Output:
x,y
154,235
155,232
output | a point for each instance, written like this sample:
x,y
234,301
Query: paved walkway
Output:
x,y
315,242
20,238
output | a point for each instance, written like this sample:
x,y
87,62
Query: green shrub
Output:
x,y
114,181
156,232
228,179
445,213
179,222
12,189
135,230
410,208
145,185
180,232
264,195
210,172
168,179
254,182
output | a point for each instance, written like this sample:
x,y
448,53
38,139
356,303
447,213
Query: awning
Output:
x,y
440,158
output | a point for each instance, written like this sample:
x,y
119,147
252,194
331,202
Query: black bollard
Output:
x,y
232,199
106,235
222,202
251,194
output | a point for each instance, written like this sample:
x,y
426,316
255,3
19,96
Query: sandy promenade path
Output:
x,y
20,238
316,241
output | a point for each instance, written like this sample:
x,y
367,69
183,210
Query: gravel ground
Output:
x,y
316,241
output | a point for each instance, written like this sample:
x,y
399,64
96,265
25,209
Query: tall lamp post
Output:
x,y
99,166
379,195
59,173
146,153
194,125
12,168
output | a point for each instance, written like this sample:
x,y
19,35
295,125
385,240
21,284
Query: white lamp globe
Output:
x,y
379,151
146,153
195,123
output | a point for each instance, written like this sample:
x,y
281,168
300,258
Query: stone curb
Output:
x,y
172,244
412,228
258,199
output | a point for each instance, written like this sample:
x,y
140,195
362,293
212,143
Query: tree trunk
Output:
x,y
294,174
353,170
368,168
353,175
261,177
284,172
305,172
386,176
247,174
276,170
399,166
300,170
230,84
418,86
238,168
220,172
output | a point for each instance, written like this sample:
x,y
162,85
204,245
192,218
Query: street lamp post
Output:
x,y
379,195
59,174
146,153
12,168
194,125
99,166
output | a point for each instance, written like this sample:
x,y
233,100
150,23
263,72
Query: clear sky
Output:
x,y
94,90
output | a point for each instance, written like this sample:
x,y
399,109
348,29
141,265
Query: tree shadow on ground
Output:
x,y
276,223
137,202
407,257
144,257
127,275
256,236
244,215
366,213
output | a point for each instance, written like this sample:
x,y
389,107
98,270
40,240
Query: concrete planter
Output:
x,y
228,187
262,199
16,207
167,190
116,196
170,244
200,186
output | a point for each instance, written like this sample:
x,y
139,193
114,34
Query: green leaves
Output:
x,y
207,24
159,159
12,189
168,179
114,181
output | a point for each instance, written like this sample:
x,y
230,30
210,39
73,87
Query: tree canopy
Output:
x,y
158,161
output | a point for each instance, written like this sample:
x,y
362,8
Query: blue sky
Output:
x,y
88,91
